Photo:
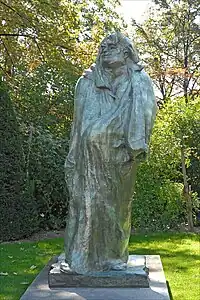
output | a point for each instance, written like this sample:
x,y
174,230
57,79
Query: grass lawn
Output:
x,y
180,254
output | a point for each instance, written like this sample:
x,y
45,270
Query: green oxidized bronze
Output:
x,y
113,118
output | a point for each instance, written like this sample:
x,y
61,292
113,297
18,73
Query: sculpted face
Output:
x,y
111,54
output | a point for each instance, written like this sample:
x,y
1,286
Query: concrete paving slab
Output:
x,y
39,289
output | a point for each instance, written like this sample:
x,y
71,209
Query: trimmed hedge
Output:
x,y
45,166
18,216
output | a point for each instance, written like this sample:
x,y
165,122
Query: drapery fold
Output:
x,y
110,135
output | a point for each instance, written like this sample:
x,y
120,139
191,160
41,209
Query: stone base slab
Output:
x,y
39,289
136,275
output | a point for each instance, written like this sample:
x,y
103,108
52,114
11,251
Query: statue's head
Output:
x,y
115,50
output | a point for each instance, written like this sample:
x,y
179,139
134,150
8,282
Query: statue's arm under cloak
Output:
x,y
142,115
150,106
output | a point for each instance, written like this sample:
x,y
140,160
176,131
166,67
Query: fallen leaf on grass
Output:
x,y
3,274
33,267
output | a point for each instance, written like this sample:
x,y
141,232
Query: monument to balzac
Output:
x,y
114,113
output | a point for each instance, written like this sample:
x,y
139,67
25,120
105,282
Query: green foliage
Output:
x,y
193,142
45,47
17,208
44,97
168,42
178,126
52,31
45,156
44,102
158,203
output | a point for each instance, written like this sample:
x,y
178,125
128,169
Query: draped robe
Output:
x,y
109,137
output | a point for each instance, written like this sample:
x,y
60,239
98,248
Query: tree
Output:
x,y
163,198
169,42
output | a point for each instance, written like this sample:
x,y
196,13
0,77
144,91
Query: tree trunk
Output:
x,y
187,192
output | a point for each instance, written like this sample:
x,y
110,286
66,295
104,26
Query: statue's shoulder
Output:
x,y
145,77
89,73
139,74
82,84
85,81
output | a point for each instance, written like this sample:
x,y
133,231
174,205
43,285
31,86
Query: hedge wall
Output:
x,y
18,217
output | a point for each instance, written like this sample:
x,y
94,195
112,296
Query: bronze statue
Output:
x,y
114,112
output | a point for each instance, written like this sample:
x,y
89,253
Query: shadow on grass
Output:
x,y
184,254
167,245
169,291
163,236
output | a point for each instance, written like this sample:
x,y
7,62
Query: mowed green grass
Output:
x,y
22,262
180,254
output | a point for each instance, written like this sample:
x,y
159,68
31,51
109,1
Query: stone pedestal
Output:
x,y
40,290
136,275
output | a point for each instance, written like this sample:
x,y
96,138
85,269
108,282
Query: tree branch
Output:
x,y
171,86
193,85
145,35
33,38
39,50
8,53
11,8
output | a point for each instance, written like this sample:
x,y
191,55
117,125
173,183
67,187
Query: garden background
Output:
x,y
44,48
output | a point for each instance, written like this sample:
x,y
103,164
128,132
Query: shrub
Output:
x,y
158,203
